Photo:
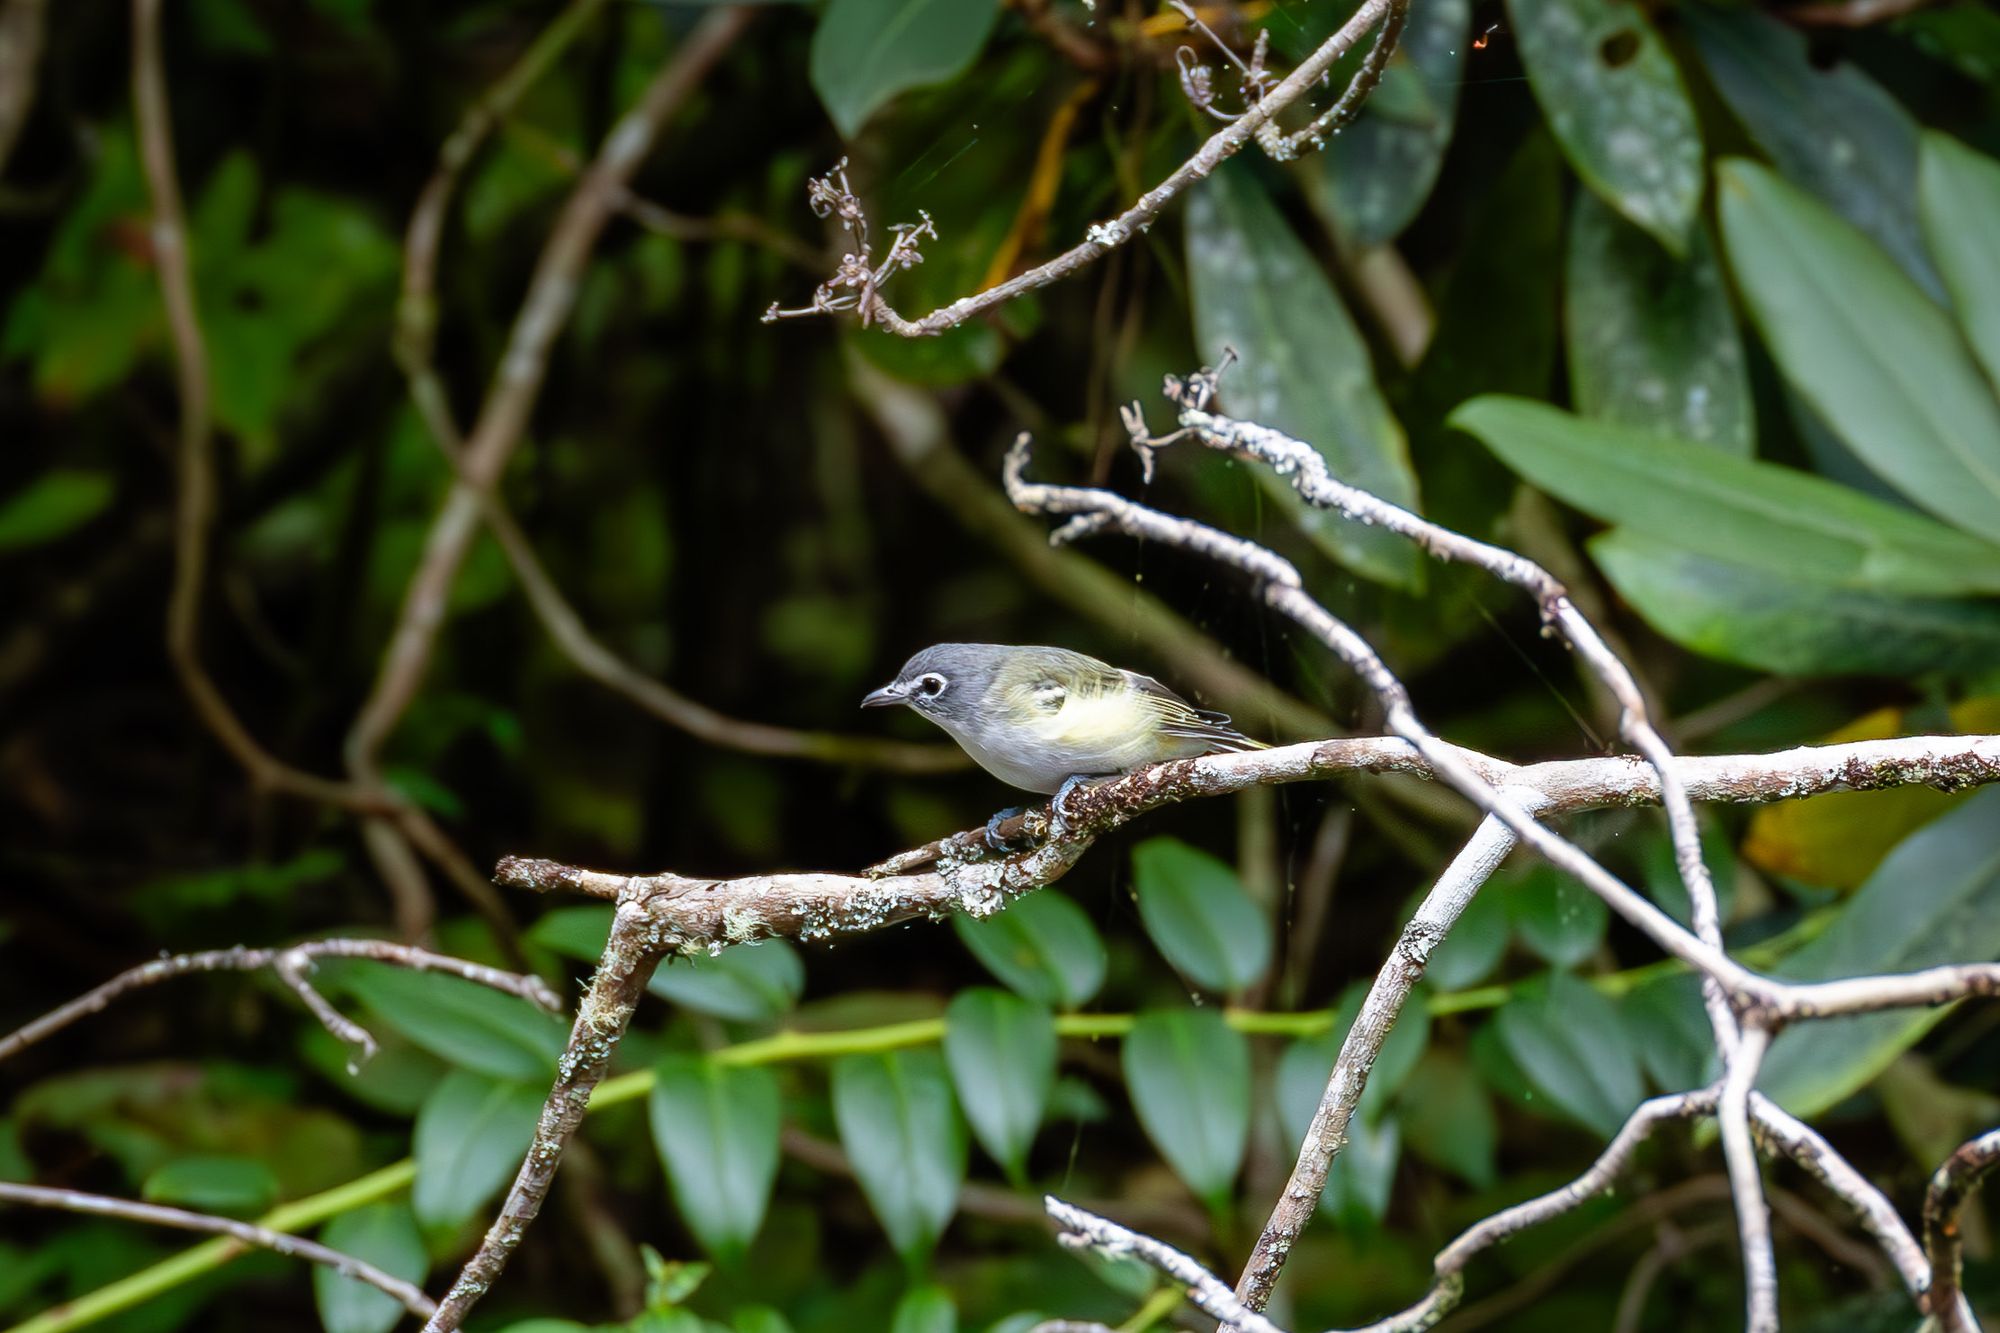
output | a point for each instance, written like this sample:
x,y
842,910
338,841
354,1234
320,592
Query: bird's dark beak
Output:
x,y
893,693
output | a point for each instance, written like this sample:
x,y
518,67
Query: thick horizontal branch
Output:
x,y
701,912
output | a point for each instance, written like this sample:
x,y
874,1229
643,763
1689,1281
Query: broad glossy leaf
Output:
x,y
906,1142
752,983
1958,197
1764,620
1614,97
758,1319
1363,1176
1002,1053
1042,946
237,1186
1837,839
925,1309
1305,369
1876,357
1308,1062
385,1234
1473,949
1357,1185
1196,911
54,504
1189,1076
1652,342
470,1138
1791,523
472,1026
1832,130
1379,170
865,52
1447,1118
1561,921
1934,900
1571,1044
716,1128
1669,1029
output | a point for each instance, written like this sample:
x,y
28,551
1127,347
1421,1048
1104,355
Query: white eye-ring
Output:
x,y
931,686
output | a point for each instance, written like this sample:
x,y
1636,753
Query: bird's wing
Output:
x,y
1178,717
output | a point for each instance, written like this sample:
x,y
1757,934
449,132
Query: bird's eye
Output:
x,y
931,686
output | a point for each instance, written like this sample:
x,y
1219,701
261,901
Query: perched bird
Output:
x,y
1038,718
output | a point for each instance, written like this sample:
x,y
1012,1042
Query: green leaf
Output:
x,y
1958,197
53,505
1669,1028
1042,946
1305,368
716,1128
1932,901
865,52
236,1186
1831,130
925,1309
1189,1076
1556,917
752,983
384,1234
1002,1053
1379,170
905,1140
758,1319
1614,97
1764,620
1363,1176
470,1138
1196,911
1307,1063
1789,523
1872,354
1572,1045
1448,1119
1474,947
395,1080
1652,342
472,1026
1357,1186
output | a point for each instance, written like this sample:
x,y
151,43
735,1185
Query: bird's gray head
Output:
x,y
945,682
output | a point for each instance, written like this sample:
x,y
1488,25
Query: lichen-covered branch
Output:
x,y
634,948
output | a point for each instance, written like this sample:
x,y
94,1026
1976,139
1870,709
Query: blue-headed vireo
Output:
x,y
1038,717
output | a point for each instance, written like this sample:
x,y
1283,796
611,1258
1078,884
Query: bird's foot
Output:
x,y
1059,814
994,838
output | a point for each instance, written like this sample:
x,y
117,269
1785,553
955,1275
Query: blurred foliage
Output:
x,y
1693,305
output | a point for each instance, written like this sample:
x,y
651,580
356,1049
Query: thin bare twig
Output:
x,y
517,383
1102,237
409,1296
1205,1290
1956,1180
194,520
293,964
1753,1218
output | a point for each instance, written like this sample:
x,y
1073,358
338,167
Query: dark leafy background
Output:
x,y
1691,303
